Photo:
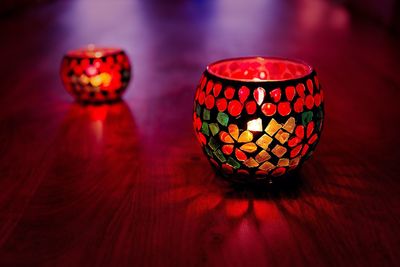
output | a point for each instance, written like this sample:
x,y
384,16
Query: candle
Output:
x,y
96,74
258,117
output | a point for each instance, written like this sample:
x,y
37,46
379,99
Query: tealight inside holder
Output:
x,y
258,117
96,74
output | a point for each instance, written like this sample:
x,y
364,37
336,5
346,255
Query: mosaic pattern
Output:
x,y
96,75
258,129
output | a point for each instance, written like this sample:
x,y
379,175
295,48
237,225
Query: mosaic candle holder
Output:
x,y
258,117
96,74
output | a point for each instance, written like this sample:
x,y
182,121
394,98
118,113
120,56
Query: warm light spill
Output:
x,y
255,125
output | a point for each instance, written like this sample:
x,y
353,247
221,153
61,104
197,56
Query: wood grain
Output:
x,y
127,185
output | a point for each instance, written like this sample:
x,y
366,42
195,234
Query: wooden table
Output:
x,y
127,184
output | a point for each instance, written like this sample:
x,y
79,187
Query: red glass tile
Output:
x,y
310,129
309,102
203,83
310,86
227,149
299,105
300,90
251,107
294,141
227,169
209,87
210,101
198,123
284,108
217,89
304,150
316,82
202,138
313,139
290,92
235,108
85,63
222,104
244,93
202,97
295,151
240,155
317,100
275,95
268,109
229,92
278,171
300,131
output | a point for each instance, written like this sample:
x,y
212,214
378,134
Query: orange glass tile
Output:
x,y
282,136
267,166
289,125
273,127
249,147
251,163
262,156
264,141
245,137
234,131
283,162
225,137
279,151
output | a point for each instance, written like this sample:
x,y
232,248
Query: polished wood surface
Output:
x,y
127,184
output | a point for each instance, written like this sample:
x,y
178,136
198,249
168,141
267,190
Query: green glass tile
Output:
x,y
306,117
208,151
204,129
206,114
223,118
198,110
220,156
214,128
233,163
213,143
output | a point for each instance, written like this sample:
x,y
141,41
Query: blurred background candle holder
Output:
x,y
95,74
258,118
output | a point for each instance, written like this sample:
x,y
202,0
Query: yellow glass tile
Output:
x,y
264,141
234,131
84,79
294,162
255,125
249,147
279,151
267,166
225,137
96,80
263,156
106,78
250,162
282,136
273,127
283,162
245,137
289,125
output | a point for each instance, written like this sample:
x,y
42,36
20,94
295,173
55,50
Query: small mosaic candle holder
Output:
x,y
96,74
258,117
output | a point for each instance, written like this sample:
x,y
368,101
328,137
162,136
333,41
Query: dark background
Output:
x,y
127,184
